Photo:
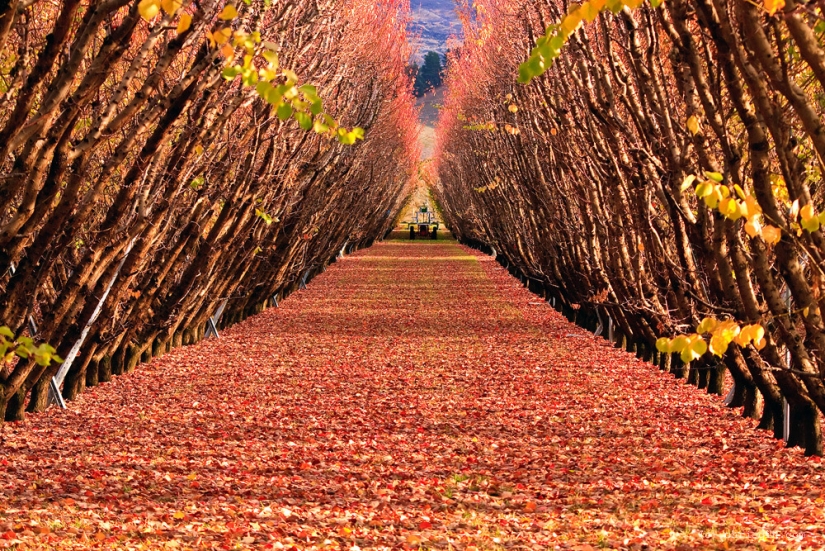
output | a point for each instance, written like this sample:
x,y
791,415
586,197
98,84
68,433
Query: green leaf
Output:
x,y
715,176
230,73
309,91
6,332
524,74
268,93
316,108
249,77
284,111
304,120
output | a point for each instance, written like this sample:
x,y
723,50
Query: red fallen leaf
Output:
x,y
305,466
9,535
100,536
708,501
425,525
530,507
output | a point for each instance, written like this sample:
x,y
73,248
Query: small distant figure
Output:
x,y
412,231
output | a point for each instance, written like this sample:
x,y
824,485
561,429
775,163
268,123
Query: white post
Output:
x,y
57,380
786,407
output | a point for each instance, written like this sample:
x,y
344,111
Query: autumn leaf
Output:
x,y
184,23
772,6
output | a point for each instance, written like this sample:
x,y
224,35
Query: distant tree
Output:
x,y
429,75
412,72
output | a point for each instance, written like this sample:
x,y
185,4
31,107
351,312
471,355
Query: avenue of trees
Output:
x,y
661,165
160,156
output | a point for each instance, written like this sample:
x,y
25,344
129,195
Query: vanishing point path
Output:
x,y
415,396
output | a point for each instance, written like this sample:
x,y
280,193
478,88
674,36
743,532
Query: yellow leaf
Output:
x,y
570,23
229,13
760,344
199,149
222,36
693,125
757,332
707,325
810,224
148,9
663,344
598,5
589,12
184,23
772,6
810,221
753,228
171,6
727,330
179,515
807,212
753,206
713,199
739,191
290,76
695,348
771,234
228,51
513,109
704,189
679,343
729,208
718,346
686,183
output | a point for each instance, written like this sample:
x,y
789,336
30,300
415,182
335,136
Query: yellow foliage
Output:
x,y
695,348
771,234
571,23
707,325
229,13
693,125
772,6
809,218
148,9
753,228
589,11
184,23
171,6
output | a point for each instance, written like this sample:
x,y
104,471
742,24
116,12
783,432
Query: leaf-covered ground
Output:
x,y
414,396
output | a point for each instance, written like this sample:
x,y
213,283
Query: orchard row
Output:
x,y
660,166
161,157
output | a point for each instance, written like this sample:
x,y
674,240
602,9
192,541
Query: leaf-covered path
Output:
x,y
414,396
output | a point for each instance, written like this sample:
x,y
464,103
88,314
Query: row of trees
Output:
x,y
663,167
161,156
